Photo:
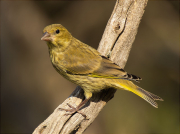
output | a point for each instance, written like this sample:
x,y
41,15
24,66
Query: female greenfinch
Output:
x,y
84,66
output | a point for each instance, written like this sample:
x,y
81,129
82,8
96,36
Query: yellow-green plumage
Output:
x,y
84,66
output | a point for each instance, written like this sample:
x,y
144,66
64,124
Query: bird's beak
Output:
x,y
46,37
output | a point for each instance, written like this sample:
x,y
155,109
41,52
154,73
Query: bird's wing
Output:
x,y
108,69
81,59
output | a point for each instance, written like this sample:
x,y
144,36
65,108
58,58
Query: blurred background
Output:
x,y
31,88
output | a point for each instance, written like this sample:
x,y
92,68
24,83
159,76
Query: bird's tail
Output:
x,y
147,96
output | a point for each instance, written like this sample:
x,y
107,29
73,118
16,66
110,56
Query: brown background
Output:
x,y
31,89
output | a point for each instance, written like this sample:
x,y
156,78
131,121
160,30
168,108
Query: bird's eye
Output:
x,y
57,31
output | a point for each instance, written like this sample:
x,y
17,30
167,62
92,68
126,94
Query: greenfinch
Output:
x,y
84,66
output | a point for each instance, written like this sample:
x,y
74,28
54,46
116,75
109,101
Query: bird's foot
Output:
x,y
72,110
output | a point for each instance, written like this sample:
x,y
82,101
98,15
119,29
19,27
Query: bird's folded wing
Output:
x,y
94,65
108,69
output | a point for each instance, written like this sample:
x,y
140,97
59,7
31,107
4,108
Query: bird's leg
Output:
x,y
73,109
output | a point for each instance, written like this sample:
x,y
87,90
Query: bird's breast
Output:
x,y
57,60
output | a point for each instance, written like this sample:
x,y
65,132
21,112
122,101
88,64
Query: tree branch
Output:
x,y
116,44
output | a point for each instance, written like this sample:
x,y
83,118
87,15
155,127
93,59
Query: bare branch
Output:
x,y
116,44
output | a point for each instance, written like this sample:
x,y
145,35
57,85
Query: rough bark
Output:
x,y
116,44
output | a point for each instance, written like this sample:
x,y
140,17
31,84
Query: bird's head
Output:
x,y
56,36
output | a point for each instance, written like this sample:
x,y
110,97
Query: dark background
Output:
x,y
31,89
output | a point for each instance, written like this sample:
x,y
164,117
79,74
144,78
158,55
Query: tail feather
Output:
x,y
147,96
155,97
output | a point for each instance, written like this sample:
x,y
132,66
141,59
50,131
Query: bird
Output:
x,y
86,67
